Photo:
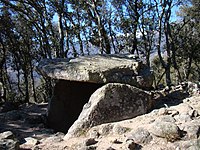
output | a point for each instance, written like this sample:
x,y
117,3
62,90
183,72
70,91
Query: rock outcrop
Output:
x,y
174,126
78,78
154,130
110,103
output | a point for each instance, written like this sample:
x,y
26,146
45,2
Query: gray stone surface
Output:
x,y
190,144
193,130
9,144
106,129
99,69
130,145
119,130
8,141
110,103
167,130
166,118
141,136
87,144
78,78
31,141
7,135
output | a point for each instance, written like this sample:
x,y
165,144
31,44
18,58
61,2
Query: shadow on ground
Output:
x,y
26,121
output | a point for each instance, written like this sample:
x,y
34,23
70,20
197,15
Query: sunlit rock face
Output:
x,y
110,103
99,69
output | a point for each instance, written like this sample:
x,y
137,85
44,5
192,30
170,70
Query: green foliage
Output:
x,y
34,30
187,40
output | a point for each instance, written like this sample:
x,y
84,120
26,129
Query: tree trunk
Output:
x,y
79,34
33,83
60,12
104,40
135,17
188,68
26,82
2,62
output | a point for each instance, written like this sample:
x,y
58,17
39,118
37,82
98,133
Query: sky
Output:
x,y
174,17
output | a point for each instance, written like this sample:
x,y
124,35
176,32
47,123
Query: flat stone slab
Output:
x,y
99,69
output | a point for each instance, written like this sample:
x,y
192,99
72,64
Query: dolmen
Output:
x,y
92,90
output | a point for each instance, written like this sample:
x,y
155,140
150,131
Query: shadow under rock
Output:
x,y
138,147
172,98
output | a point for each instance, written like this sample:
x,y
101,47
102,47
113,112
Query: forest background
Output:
x,y
166,40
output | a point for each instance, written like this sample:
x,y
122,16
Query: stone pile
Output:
x,y
94,94
171,126
166,128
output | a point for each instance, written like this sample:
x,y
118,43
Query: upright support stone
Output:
x,y
110,103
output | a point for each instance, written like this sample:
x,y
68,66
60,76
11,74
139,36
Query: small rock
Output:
x,y
166,118
130,145
117,129
31,141
141,136
191,145
172,112
182,108
6,135
167,130
82,146
9,144
193,131
8,141
105,129
193,88
162,111
58,137
183,118
59,134
94,133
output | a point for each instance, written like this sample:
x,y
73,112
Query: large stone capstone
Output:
x,y
99,69
79,78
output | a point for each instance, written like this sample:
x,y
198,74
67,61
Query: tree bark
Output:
x,y
60,12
